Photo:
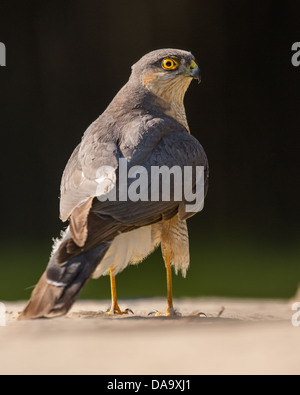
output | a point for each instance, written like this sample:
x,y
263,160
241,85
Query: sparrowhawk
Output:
x,y
145,125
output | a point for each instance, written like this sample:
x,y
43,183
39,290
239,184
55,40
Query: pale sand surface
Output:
x,y
251,337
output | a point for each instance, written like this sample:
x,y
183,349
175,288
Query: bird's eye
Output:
x,y
169,64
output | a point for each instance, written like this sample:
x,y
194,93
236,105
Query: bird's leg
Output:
x,y
115,309
170,309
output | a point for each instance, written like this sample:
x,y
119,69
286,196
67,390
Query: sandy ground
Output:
x,y
250,337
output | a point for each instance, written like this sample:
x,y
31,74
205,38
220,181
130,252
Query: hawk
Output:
x,y
144,125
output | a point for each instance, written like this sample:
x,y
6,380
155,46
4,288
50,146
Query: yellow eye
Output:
x,y
169,64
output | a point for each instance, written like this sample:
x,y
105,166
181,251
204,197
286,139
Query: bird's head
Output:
x,y
167,73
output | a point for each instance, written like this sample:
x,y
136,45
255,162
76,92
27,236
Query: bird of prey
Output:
x,y
144,125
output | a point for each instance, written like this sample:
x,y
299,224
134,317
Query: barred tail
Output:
x,y
60,285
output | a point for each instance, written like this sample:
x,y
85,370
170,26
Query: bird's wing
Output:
x,y
176,149
109,218
93,164
92,168
87,175
83,179
147,143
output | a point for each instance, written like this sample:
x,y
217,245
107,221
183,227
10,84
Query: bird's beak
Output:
x,y
194,71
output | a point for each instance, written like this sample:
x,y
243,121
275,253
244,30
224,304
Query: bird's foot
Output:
x,y
115,310
198,315
171,312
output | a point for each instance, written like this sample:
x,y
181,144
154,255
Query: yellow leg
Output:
x,y
115,309
170,310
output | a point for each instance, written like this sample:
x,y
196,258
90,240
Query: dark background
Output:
x,y
65,62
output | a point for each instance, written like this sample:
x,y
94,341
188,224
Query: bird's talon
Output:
x,y
169,313
128,311
155,312
118,311
199,315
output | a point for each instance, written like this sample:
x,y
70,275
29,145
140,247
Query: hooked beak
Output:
x,y
194,71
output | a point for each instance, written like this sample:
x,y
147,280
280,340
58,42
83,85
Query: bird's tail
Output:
x,y
61,283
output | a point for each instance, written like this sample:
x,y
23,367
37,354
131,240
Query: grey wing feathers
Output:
x,y
155,143
180,149
79,178
100,147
